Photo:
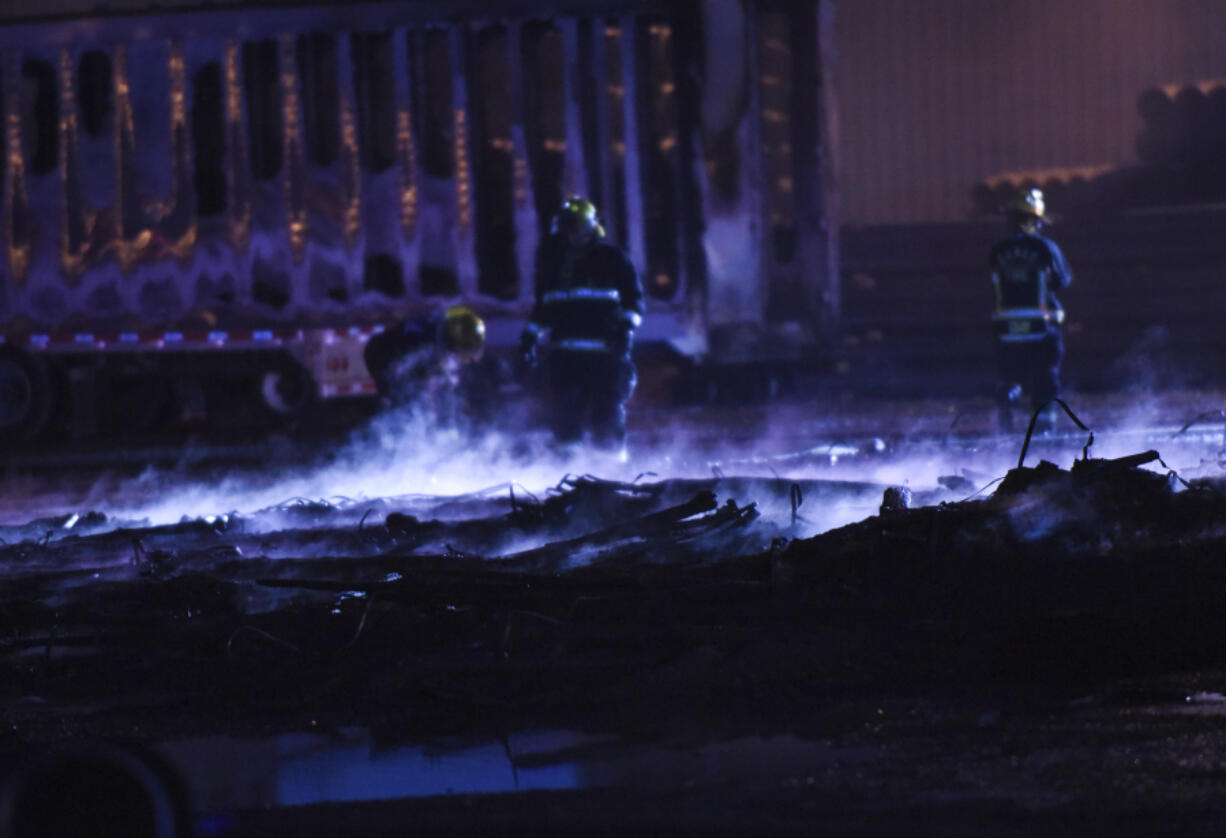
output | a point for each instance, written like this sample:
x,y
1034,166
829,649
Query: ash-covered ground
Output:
x,y
726,632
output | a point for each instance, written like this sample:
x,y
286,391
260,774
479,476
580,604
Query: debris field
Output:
x,y
649,611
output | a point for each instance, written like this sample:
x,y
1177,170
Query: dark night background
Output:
x,y
821,595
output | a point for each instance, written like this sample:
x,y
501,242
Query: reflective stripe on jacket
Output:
x,y
1026,271
587,299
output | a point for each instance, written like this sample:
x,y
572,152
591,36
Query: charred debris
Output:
x,y
602,604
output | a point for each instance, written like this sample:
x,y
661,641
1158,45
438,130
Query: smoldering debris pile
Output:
x,y
1102,567
602,604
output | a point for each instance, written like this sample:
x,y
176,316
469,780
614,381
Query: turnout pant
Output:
x,y
1032,367
590,389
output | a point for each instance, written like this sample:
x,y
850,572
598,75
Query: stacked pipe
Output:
x,y
1178,149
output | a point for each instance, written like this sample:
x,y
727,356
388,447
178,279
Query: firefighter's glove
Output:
x,y
528,348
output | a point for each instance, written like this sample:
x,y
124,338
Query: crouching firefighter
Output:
x,y
430,362
1027,271
589,301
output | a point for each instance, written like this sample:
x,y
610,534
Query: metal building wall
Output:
x,y
935,95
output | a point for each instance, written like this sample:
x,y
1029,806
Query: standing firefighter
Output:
x,y
589,301
430,362
1027,269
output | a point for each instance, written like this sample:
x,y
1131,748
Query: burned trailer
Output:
x,y
225,204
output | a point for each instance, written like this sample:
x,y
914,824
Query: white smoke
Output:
x,y
401,454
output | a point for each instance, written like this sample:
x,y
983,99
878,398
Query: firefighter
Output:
x,y
589,301
429,362
1027,271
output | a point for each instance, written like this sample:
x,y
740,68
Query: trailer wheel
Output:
x,y
26,394
286,390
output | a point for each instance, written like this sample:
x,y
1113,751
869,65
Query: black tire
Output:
x,y
26,395
285,390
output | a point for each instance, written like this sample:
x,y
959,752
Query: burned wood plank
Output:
x,y
555,555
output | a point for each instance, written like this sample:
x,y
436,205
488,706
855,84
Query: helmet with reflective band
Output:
x,y
577,218
463,331
1027,208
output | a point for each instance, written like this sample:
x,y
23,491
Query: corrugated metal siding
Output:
x,y
936,95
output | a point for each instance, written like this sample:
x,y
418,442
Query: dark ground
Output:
x,y
1043,657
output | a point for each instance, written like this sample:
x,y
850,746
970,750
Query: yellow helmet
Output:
x,y
578,216
463,331
1028,203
